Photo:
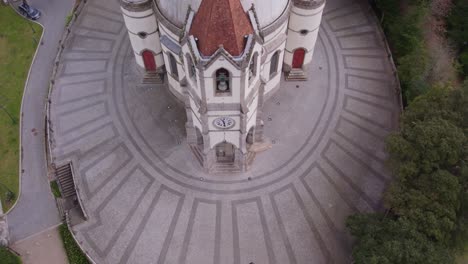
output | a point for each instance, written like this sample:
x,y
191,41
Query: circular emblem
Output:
x,y
224,122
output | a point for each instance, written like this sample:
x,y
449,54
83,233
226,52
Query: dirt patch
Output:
x,y
442,54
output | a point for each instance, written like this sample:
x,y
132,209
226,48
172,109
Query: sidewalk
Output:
x,y
43,248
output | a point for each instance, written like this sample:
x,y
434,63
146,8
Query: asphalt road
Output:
x,y
36,210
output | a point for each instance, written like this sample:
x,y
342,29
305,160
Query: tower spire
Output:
x,y
221,22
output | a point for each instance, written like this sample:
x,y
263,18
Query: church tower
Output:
x,y
304,24
221,57
142,27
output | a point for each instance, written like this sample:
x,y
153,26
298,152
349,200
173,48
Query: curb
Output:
x,y
48,129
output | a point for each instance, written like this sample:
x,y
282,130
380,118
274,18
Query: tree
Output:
x,y
425,146
431,202
439,102
381,240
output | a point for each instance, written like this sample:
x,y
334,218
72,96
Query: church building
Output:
x,y
223,59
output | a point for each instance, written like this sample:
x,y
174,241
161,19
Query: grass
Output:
x,y
55,189
17,48
68,19
6,257
74,253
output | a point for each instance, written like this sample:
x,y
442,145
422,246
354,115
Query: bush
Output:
x,y
8,257
427,203
55,189
457,31
404,31
464,62
384,240
74,253
413,70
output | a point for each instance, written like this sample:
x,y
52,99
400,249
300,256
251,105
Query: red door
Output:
x,y
148,59
298,58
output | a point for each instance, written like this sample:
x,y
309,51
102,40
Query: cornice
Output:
x,y
308,4
136,5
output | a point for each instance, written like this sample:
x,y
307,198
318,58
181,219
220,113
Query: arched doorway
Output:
x,y
225,152
148,60
298,58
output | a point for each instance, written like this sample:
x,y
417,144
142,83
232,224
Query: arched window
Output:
x,y
274,63
191,67
142,35
173,65
223,82
253,67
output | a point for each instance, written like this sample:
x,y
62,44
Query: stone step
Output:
x,y
153,78
65,181
296,75
225,168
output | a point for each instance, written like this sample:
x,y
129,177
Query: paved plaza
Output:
x,y
149,201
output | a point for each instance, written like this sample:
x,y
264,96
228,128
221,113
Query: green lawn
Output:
x,y
7,257
17,48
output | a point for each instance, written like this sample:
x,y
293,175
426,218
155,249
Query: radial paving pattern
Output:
x,y
149,202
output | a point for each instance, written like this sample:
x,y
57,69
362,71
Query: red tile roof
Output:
x,y
221,22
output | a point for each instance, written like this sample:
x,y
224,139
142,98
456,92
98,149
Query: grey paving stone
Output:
x,y
150,202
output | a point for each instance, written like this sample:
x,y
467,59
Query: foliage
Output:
x,y
463,59
431,201
69,18
427,203
404,31
388,241
413,76
7,257
74,253
457,31
18,42
426,146
55,189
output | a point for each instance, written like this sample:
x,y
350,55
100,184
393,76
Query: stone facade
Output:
x,y
224,91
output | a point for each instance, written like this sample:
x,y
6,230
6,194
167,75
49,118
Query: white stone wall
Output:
x,y
273,80
144,21
303,19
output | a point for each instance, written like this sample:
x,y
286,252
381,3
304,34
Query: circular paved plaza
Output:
x,y
149,201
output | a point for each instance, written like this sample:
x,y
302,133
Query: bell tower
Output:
x,y
303,27
143,31
221,56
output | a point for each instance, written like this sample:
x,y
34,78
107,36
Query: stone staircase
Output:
x,y
153,78
296,75
64,177
225,168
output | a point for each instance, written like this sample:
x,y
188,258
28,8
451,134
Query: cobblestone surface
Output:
x,y
150,202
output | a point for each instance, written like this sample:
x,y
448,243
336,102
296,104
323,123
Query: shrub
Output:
x,y
457,31
55,189
427,215
74,253
464,62
385,240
